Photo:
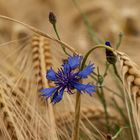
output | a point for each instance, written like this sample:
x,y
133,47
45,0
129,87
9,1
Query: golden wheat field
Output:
x,y
69,70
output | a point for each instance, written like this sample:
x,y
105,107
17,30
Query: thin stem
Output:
x,y
90,30
106,70
102,98
118,133
35,30
119,41
116,72
57,34
75,133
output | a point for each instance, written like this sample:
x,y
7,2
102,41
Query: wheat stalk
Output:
x,y
13,112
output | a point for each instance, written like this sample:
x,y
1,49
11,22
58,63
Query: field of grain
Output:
x,y
30,46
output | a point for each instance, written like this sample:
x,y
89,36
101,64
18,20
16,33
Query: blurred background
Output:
x,y
108,18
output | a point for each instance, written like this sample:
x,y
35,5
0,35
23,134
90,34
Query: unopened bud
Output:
x,y
110,56
52,18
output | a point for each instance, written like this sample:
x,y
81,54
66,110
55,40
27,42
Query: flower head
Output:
x,y
66,79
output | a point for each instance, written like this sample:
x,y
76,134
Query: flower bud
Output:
x,y
52,18
110,56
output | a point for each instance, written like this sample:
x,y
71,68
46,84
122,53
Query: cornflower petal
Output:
x,y
90,88
74,61
86,71
58,96
84,87
66,67
48,92
51,75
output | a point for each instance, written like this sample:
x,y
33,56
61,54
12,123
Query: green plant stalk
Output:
x,y
63,47
103,101
119,41
116,72
120,111
118,133
75,133
92,49
105,87
106,70
90,30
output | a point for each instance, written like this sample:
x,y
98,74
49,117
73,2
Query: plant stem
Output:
x,y
63,47
116,72
88,25
75,133
105,108
119,41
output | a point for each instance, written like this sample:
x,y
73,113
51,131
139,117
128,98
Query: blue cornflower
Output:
x,y
67,79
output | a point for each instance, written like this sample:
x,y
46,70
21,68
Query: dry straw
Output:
x,y
90,113
14,115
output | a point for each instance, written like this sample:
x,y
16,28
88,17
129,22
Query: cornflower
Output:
x,y
68,78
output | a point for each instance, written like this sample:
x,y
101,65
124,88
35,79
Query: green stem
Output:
x,y
119,41
106,70
116,72
96,47
118,133
90,30
75,133
102,98
105,108
63,47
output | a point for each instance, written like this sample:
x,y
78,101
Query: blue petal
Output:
x,y
90,88
58,96
48,92
84,87
86,71
66,68
51,75
74,61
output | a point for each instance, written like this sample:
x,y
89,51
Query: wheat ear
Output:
x,y
131,75
42,61
131,81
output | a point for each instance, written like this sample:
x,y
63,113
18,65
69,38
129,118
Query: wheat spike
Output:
x,y
131,81
40,52
42,61
131,75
